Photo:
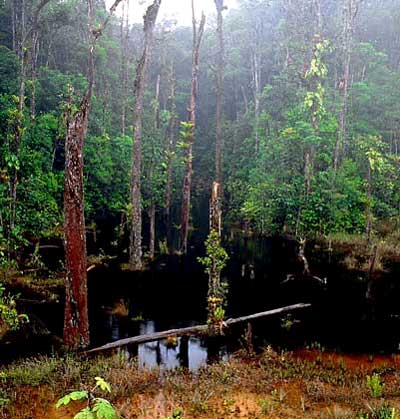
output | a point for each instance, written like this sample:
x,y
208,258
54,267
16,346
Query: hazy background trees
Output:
x,y
310,125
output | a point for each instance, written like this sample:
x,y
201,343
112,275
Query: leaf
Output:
x,y
79,395
104,409
75,395
100,382
63,401
85,413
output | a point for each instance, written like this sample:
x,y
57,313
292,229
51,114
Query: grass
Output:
x,y
275,385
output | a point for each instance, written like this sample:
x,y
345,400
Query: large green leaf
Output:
x,y
75,395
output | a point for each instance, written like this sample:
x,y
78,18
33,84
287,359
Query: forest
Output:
x,y
199,218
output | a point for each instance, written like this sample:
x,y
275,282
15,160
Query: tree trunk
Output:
x,y
187,181
350,12
219,92
135,247
152,208
34,54
157,103
76,321
192,330
170,153
152,216
257,91
124,63
215,209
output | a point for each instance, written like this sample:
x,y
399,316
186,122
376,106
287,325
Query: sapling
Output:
x,y
96,407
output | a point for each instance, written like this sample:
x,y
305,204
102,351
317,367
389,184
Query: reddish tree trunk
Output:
x,y
76,321
187,181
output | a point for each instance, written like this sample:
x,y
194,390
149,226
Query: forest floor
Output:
x,y
304,384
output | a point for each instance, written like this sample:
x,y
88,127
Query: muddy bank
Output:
x,y
307,384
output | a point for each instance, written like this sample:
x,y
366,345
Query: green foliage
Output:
x,y
97,407
73,396
375,386
216,256
176,414
214,261
10,319
384,411
299,97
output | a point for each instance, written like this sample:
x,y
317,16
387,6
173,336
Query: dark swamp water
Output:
x,y
172,293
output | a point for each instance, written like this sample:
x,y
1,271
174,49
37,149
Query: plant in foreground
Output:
x,y
96,407
375,385
176,414
383,411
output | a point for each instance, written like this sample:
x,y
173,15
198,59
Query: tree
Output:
x,y
219,4
170,151
187,182
350,11
135,247
76,321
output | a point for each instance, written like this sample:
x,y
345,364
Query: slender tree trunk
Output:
x,y
170,153
257,91
14,26
187,181
215,209
124,63
76,321
34,59
349,15
368,228
219,92
157,103
135,247
152,207
17,141
34,55
152,216
214,297
316,80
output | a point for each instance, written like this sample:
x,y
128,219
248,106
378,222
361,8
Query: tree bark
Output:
x,y
76,321
187,181
219,92
214,275
135,247
170,153
152,216
34,54
215,209
124,63
152,207
349,15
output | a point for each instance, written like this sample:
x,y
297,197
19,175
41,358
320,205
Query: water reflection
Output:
x,y
188,352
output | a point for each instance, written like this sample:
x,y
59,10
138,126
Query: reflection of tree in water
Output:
x,y
183,353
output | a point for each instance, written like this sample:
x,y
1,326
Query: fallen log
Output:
x,y
191,330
